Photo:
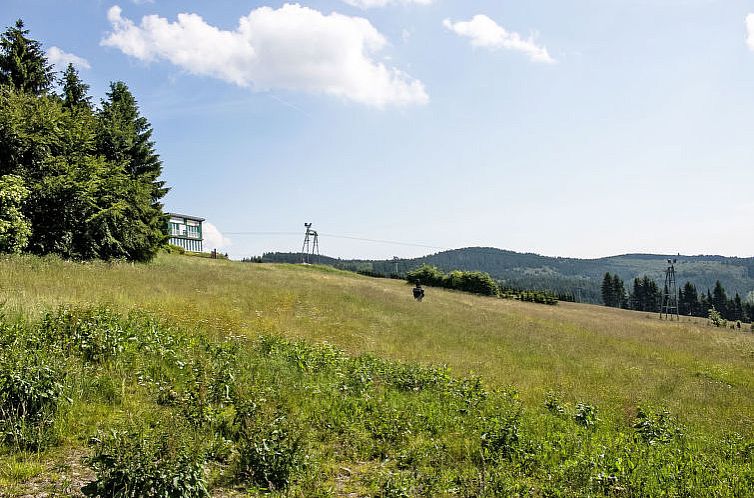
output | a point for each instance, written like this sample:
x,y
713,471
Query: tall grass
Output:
x,y
185,413
616,359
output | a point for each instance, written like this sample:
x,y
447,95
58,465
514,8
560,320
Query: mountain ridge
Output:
x,y
581,277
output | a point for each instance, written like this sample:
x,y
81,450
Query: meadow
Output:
x,y
566,400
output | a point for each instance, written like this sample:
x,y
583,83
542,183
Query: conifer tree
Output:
x,y
688,300
75,93
736,308
720,299
608,290
619,293
23,63
124,138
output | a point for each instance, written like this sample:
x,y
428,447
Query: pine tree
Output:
x,y
23,63
736,308
720,299
74,91
608,290
688,300
124,138
619,293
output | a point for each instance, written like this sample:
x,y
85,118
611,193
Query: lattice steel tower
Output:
x,y
310,249
669,308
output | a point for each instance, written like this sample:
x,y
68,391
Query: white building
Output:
x,y
185,231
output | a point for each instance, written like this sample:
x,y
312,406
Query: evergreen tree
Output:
x,y
736,308
23,63
619,293
646,295
688,300
124,137
74,91
608,290
81,205
720,299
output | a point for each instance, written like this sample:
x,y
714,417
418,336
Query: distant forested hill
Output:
x,y
582,277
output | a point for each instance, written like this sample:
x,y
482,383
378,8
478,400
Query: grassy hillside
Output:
x,y
610,357
613,360
582,277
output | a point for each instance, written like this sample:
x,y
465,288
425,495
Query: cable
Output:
x,y
412,244
335,236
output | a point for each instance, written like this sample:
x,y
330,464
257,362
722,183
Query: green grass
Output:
x,y
615,359
610,359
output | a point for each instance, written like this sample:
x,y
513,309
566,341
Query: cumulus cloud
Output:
x,y
486,33
61,59
750,31
368,4
293,48
213,238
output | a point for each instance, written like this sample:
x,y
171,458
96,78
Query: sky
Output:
x,y
404,127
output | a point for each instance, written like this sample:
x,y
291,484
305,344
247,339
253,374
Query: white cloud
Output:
x,y
486,33
293,47
213,238
61,59
368,4
750,31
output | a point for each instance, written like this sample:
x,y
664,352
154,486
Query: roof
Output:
x,y
178,215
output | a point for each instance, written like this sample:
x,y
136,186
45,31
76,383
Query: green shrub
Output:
x,y
586,415
716,319
151,463
270,454
553,405
31,387
501,436
174,249
96,334
656,427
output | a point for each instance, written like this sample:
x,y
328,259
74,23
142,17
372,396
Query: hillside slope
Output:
x,y
612,358
580,276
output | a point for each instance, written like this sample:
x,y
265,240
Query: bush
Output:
x,y
716,319
174,249
586,415
269,454
426,275
656,427
153,463
96,334
15,228
31,386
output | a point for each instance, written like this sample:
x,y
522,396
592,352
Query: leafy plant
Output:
x,y
149,463
656,427
586,415
715,318
269,453
31,386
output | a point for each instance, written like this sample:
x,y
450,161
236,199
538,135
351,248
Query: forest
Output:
x,y
646,295
76,179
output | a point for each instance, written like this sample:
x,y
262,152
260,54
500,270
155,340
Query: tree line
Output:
x,y
77,180
646,295
475,282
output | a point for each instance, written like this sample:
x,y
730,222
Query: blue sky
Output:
x,y
583,128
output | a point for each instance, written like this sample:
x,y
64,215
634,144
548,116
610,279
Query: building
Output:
x,y
185,231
